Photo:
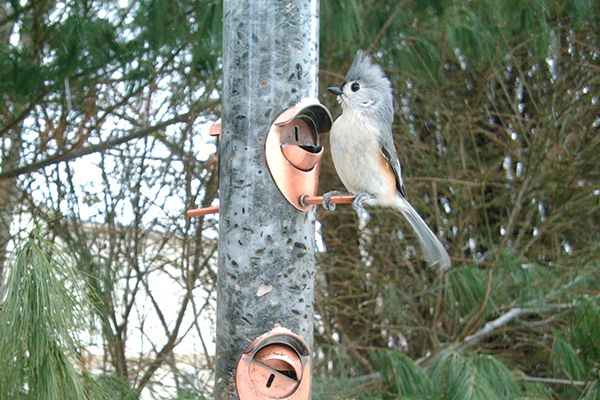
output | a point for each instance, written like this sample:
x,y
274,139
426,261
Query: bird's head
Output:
x,y
366,89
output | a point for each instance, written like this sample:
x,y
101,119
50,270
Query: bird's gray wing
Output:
x,y
386,143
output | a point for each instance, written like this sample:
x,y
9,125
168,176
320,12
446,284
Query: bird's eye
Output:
x,y
355,86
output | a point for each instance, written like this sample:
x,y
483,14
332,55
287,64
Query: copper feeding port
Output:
x,y
292,153
302,157
275,365
292,150
276,370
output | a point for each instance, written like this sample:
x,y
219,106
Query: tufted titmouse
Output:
x,y
364,154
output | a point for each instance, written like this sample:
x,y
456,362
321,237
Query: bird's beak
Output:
x,y
335,90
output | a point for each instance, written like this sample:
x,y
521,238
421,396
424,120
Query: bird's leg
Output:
x,y
358,206
327,199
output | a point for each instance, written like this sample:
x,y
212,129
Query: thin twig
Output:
x,y
554,381
94,148
497,323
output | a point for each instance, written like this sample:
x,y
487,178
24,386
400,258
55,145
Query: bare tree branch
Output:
x,y
84,151
553,381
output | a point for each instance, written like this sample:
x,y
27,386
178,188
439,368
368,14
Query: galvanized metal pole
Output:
x,y
266,246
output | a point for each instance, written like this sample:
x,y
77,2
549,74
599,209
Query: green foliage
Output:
x,y
83,45
586,331
165,22
19,76
497,119
460,379
455,376
41,314
592,392
189,395
425,38
565,360
342,389
402,376
573,363
342,26
109,388
465,290
498,376
206,35
78,45
521,283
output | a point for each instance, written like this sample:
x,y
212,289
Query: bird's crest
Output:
x,y
363,70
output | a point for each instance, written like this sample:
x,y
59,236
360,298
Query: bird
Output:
x,y
364,155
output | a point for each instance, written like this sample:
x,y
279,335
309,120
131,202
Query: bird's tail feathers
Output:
x,y
434,251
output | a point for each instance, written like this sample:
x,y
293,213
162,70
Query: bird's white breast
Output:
x,y
356,155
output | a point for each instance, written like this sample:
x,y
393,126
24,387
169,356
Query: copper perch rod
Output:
x,y
197,212
314,200
318,200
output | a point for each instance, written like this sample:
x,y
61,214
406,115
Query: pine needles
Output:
x,y
39,319
402,375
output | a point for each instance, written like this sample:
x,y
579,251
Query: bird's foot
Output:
x,y
358,205
327,199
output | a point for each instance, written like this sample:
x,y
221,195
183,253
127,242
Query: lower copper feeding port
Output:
x,y
276,365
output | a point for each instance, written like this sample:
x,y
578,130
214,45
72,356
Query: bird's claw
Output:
x,y
360,198
358,205
326,202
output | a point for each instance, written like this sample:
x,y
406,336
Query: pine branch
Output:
x,y
490,327
553,381
497,323
508,316
42,311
